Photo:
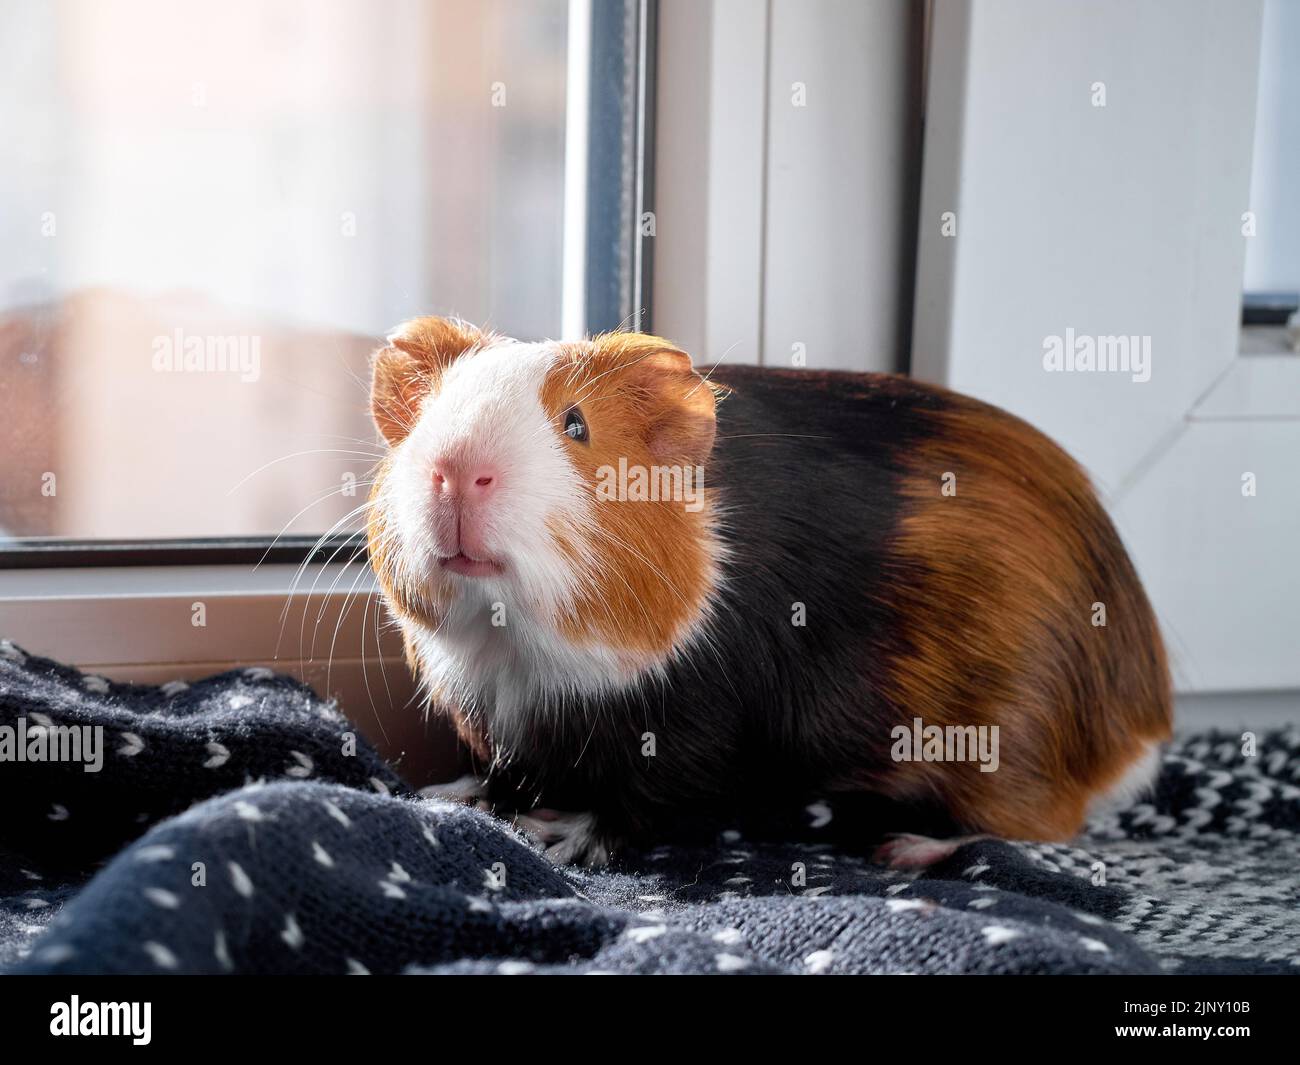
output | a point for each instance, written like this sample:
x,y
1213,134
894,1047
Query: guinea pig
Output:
x,y
646,595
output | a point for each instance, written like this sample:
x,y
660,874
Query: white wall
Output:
x,y
785,213
1123,219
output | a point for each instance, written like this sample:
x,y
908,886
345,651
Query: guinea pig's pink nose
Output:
x,y
473,480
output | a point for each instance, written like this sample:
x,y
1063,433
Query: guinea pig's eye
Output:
x,y
575,426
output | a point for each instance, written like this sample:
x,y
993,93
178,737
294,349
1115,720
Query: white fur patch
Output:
x,y
489,408
499,644
499,648
1133,783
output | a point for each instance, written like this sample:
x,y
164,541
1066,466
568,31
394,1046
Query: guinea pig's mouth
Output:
x,y
470,567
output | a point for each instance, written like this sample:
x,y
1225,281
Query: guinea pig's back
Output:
x,y
954,565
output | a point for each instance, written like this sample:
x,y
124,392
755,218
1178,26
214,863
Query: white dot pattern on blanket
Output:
x,y
132,746
161,955
302,767
218,755
248,812
996,934
240,880
221,951
292,933
167,900
304,873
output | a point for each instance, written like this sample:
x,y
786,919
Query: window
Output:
x,y
214,210
1273,224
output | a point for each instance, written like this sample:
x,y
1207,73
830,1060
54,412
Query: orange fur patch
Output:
x,y
406,371
645,405
1019,555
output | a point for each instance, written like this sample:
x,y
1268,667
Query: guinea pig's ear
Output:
x,y
682,407
405,371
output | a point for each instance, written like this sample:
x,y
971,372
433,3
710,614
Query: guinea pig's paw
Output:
x,y
469,789
569,838
908,851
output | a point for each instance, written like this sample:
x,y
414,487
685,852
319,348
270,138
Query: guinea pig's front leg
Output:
x,y
906,850
470,789
569,838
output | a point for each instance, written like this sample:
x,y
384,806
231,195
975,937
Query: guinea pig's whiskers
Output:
x,y
363,385
301,571
362,573
293,586
324,606
295,583
314,503
300,454
714,368
378,600
378,448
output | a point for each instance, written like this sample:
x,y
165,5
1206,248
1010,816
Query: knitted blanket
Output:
x,y
238,825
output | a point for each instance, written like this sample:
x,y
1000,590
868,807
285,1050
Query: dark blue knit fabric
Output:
x,y
232,829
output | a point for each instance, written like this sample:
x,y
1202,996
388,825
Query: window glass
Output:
x,y
213,211
1272,224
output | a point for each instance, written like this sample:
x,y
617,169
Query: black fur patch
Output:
x,y
766,712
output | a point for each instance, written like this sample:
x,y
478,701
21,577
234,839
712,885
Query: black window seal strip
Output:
x,y
40,553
